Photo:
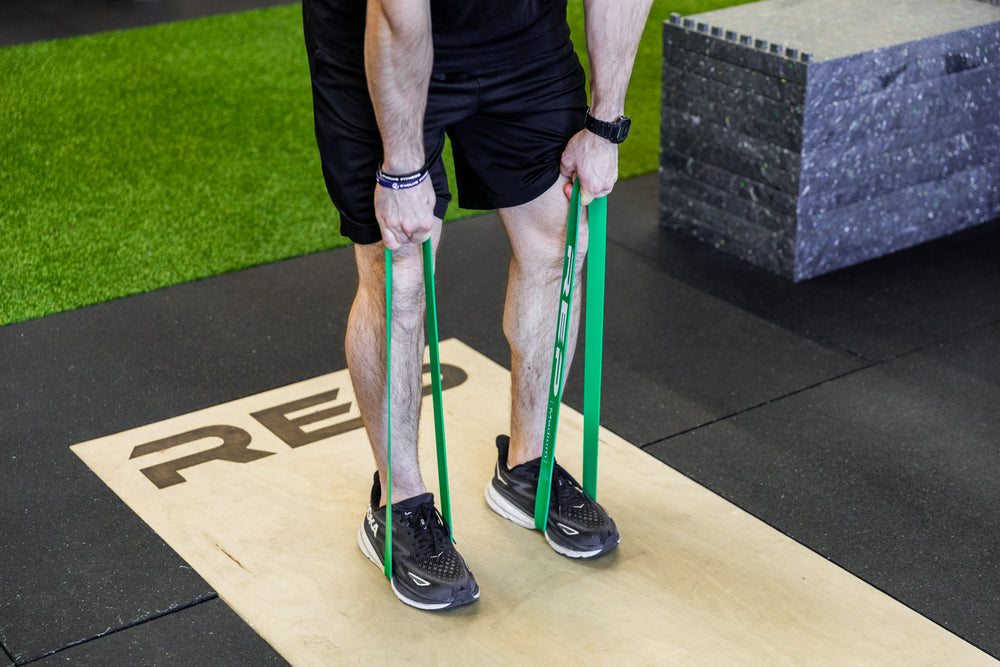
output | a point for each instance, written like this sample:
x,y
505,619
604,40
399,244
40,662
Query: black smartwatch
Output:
x,y
614,131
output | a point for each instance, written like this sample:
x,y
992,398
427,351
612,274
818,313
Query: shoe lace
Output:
x,y
566,492
430,535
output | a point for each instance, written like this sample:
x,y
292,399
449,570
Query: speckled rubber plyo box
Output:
x,y
809,135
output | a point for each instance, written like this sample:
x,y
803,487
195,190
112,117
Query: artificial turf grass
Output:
x,y
138,159
147,157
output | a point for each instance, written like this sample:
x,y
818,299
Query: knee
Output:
x,y
407,288
546,252
544,264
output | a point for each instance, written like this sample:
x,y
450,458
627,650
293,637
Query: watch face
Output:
x,y
614,131
623,125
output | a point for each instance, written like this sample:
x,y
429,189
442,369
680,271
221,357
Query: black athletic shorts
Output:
x,y
508,128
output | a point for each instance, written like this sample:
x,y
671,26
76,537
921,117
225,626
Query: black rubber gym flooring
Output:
x,y
855,413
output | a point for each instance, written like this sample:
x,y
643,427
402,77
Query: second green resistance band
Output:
x,y
432,339
593,357
597,214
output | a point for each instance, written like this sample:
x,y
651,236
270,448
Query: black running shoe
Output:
x,y
427,571
577,526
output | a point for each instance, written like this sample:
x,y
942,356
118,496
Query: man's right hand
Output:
x,y
405,215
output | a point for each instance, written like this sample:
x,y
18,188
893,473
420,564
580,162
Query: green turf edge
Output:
x,y
144,158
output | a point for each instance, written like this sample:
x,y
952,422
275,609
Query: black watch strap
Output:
x,y
614,131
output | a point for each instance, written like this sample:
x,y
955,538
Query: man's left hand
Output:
x,y
594,161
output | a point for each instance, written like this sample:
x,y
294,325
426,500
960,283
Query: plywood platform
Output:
x,y
695,580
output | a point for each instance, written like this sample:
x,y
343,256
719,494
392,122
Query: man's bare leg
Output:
x,y
537,232
577,526
365,346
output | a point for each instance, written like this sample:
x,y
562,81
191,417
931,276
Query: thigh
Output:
x,y
508,152
350,145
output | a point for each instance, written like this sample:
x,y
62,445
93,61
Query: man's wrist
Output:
x,y
614,131
401,181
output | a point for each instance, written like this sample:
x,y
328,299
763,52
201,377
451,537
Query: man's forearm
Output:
x,y
613,29
399,55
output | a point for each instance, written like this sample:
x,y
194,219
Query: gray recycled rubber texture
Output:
x,y
208,633
699,345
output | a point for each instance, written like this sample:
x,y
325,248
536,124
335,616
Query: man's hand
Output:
x,y
594,161
405,215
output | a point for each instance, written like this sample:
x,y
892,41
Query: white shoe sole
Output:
x,y
369,550
512,512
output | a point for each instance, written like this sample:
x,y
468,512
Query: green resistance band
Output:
x,y
594,332
387,561
432,335
594,343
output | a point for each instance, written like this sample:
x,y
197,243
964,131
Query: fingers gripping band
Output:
x,y
401,182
